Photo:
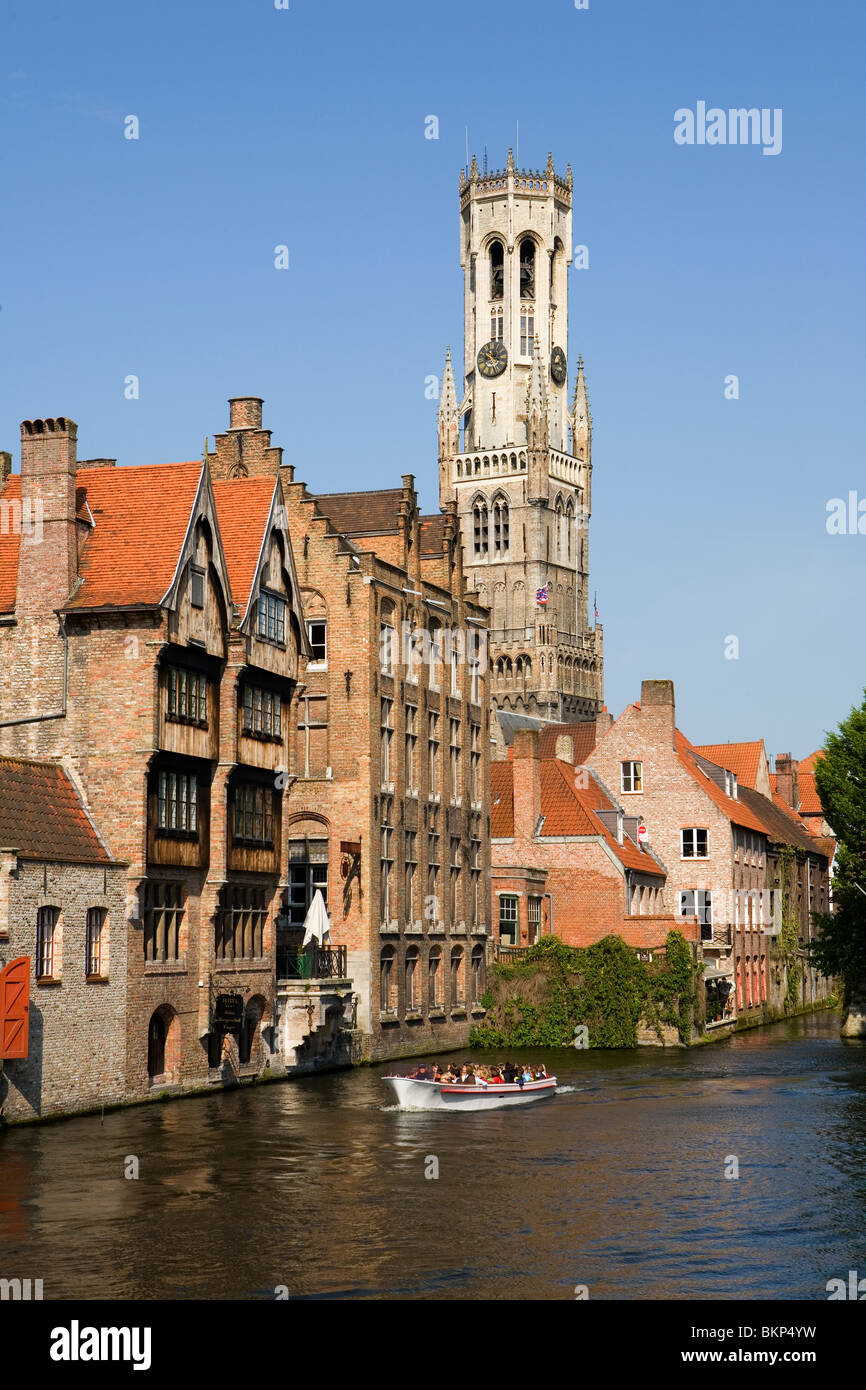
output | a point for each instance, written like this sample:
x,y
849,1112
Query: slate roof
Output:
x,y
42,816
509,723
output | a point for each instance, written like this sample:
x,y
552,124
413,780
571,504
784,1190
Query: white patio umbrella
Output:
x,y
316,923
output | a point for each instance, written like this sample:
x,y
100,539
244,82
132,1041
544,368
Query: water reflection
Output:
x,y
319,1185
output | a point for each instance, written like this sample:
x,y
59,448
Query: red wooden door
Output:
x,y
15,1008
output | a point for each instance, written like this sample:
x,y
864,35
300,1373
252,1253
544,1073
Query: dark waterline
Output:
x,y
318,1185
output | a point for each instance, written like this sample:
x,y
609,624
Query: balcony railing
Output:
x,y
504,954
312,963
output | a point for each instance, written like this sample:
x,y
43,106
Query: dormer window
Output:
x,y
731,785
196,587
271,626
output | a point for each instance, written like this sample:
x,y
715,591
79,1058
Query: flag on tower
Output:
x,y
542,595
595,604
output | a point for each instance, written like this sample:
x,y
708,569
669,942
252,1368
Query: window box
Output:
x,y
477,1009
437,1011
96,979
388,1017
414,1016
458,1011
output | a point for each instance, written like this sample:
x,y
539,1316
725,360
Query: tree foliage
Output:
x,y
840,778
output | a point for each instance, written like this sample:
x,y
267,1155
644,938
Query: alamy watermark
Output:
x,y
714,125
22,517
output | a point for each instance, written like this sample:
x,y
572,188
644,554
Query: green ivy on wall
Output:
x,y
540,1000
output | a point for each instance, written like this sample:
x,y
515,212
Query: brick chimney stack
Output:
x,y
245,449
527,781
5,466
788,779
48,555
658,707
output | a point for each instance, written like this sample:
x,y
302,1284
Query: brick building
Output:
x,y
566,858
150,634
721,846
62,899
390,809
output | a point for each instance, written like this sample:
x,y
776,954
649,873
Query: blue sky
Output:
x,y
305,126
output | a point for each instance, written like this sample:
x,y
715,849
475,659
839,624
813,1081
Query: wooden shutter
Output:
x,y
15,1008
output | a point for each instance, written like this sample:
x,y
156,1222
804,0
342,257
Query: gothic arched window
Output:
x,y
527,268
500,527
557,529
479,518
497,269
569,526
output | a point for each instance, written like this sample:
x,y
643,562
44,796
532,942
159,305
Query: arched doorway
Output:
x,y
156,1033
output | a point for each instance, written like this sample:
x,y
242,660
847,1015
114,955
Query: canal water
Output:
x,y
318,1186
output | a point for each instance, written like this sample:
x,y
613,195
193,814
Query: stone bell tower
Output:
x,y
512,455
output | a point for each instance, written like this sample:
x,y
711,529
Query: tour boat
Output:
x,y
413,1094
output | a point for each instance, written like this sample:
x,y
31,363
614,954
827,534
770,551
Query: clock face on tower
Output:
x,y
558,366
493,358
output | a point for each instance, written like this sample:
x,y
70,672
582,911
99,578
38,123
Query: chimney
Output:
x,y
527,782
565,748
245,449
5,467
658,706
48,556
245,412
788,779
96,463
603,721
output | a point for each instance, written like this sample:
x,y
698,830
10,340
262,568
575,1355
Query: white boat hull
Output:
x,y
433,1095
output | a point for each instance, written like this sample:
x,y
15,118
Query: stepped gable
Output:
x,y
42,816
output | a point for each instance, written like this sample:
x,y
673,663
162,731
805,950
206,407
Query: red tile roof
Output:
x,y
568,810
583,738
742,758
810,801
9,542
808,764
42,817
141,517
501,800
736,811
243,506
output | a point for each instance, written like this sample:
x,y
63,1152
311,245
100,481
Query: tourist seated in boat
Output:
x,y
508,1073
497,1075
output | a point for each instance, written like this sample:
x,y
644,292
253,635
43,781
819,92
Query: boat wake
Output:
x,y
564,1090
